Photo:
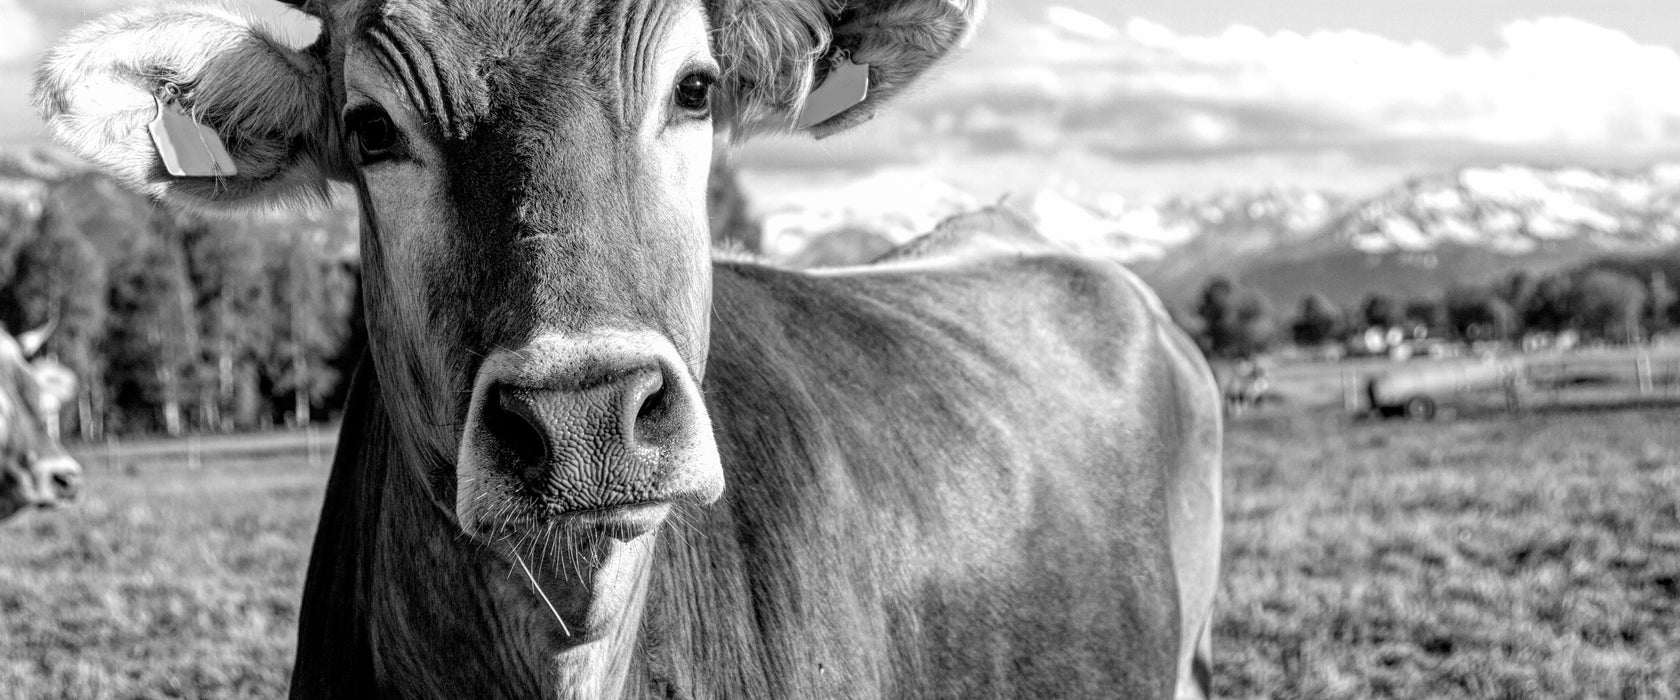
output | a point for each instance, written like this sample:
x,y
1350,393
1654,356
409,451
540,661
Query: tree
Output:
x,y
1518,290
1216,311
728,210
1256,328
1479,314
152,341
1551,305
1318,321
1381,311
235,315
312,304
1234,323
1430,314
1610,305
1660,304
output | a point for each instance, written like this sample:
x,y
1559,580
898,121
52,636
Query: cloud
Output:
x,y
1079,23
1551,79
20,34
1068,79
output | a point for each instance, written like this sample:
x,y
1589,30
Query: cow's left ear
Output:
x,y
776,55
249,120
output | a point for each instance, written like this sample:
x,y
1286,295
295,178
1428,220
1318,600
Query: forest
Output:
x,y
1614,301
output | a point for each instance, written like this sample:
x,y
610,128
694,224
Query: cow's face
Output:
x,y
533,177
537,255
35,472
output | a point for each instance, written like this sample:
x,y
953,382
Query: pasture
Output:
x,y
1528,556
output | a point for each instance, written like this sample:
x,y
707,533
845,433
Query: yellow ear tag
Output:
x,y
188,148
846,86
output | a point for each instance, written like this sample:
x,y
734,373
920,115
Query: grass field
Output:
x,y
1535,556
163,582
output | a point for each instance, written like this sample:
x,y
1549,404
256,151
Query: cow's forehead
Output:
x,y
460,61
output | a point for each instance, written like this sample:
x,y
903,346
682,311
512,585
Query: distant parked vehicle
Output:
x,y
1418,390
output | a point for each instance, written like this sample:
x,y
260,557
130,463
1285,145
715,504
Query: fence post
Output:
x,y
1642,367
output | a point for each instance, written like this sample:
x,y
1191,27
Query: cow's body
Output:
x,y
583,460
946,480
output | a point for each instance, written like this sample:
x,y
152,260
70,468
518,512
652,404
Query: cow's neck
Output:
x,y
400,601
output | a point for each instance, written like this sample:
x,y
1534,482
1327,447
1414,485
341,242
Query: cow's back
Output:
x,y
945,478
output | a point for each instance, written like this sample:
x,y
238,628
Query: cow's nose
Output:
x,y
62,477
604,432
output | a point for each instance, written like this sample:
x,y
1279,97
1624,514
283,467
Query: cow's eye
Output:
x,y
694,94
376,135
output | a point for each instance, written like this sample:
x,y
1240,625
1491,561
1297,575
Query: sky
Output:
x,y
1148,98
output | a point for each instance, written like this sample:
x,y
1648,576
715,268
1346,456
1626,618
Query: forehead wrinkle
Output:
x,y
403,50
647,25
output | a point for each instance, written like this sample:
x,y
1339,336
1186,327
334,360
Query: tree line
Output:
x,y
174,323
1614,301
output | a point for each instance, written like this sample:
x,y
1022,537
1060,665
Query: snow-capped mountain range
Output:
x,y
1460,227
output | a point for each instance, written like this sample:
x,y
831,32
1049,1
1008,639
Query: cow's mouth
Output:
x,y
619,522
624,522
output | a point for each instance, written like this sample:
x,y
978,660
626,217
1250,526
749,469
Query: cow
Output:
x,y
585,458
35,471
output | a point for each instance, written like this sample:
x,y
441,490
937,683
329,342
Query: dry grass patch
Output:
x,y
1507,557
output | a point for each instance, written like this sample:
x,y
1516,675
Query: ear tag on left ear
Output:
x,y
188,148
846,86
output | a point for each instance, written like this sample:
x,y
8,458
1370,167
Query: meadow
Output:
x,y
1496,556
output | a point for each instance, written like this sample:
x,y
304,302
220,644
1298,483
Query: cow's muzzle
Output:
x,y
60,479
609,430
47,482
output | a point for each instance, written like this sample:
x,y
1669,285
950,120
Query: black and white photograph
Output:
x,y
839,349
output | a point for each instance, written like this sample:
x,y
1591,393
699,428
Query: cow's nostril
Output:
x,y
509,419
65,483
646,404
652,405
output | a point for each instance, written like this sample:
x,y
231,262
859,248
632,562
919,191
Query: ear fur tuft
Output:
x,y
774,52
96,91
768,49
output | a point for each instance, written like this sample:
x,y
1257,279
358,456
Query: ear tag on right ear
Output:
x,y
188,148
846,86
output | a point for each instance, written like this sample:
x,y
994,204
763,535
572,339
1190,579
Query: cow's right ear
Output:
x,y
106,81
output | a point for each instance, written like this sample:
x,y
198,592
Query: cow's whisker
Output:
x,y
541,594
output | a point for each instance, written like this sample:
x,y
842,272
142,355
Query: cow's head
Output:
x,y
34,469
532,175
